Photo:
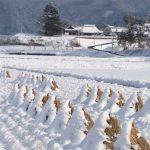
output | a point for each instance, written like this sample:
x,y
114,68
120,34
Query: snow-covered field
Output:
x,y
129,71
74,102
80,99
47,112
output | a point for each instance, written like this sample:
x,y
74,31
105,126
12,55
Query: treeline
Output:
x,y
135,36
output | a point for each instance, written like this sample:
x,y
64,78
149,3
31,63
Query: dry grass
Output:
x,y
27,89
57,104
89,123
99,94
71,108
34,93
121,100
8,74
111,132
139,104
45,99
135,140
89,90
110,92
54,85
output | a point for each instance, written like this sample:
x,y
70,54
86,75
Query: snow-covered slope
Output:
x,y
61,115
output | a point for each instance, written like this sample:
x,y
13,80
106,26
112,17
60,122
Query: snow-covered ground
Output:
x,y
81,99
48,112
129,71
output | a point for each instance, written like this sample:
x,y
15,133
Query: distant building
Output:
x,y
116,30
71,31
83,30
147,25
90,30
145,28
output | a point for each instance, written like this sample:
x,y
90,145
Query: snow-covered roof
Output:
x,y
117,29
147,24
87,28
90,29
73,29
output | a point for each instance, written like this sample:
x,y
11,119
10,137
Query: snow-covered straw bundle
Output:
x,y
19,98
99,118
133,105
98,133
111,131
84,94
48,113
13,94
7,74
115,103
130,137
137,140
54,85
48,85
36,106
75,131
61,121
29,97
104,99
94,96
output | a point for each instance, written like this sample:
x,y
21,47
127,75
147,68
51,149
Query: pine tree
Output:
x,y
51,23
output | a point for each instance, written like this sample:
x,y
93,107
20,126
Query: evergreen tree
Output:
x,y
131,37
51,23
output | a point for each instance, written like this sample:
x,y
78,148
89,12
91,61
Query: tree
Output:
x,y
65,24
133,34
51,23
140,39
126,39
131,20
122,40
107,31
130,37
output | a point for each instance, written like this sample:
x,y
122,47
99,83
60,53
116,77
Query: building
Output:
x,y
116,30
72,30
84,30
145,28
90,30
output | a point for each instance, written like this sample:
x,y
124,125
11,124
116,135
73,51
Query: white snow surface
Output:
x,y
76,114
66,126
128,71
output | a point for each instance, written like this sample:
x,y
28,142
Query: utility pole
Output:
x,y
112,43
21,31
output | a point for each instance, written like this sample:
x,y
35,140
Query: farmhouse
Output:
x,y
72,30
83,30
90,30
